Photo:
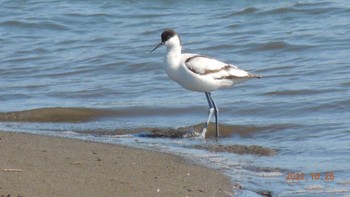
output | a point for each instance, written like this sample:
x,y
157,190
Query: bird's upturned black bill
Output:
x,y
160,44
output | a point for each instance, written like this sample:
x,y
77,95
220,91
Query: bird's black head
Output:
x,y
167,34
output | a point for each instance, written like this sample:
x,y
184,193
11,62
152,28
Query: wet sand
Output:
x,y
33,165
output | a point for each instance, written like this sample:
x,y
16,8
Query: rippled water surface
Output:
x,y
82,69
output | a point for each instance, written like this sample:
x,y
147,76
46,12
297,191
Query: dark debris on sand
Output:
x,y
238,149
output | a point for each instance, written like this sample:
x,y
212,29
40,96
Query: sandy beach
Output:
x,y
33,165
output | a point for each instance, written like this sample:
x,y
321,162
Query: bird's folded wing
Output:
x,y
203,65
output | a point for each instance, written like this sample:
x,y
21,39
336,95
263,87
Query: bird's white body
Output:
x,y
177,71
200,73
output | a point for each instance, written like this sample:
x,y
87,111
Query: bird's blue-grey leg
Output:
x,y
216,113
211,111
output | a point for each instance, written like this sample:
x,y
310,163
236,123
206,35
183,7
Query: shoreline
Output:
x,y
35,165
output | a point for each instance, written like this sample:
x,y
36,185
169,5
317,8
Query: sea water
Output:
x,y
82,69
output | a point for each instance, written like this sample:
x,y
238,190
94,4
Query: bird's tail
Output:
x,y
251,75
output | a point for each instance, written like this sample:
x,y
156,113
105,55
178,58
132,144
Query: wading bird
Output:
x,y
199,73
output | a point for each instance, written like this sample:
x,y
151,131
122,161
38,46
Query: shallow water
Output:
x,y
83,70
